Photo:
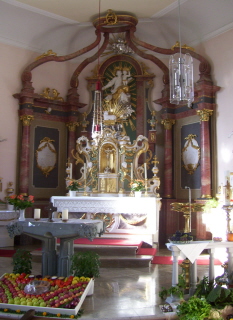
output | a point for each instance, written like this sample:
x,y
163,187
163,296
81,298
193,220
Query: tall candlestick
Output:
x,y
65,213
145,169
37,214
131,171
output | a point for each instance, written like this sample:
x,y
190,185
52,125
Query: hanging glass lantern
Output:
x,y
181,79
97,124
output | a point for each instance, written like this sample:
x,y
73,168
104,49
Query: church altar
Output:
x,y
192,251
54,263
119,209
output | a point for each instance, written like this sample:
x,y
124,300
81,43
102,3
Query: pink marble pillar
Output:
x,y
140,109
24,159
168,157
205,153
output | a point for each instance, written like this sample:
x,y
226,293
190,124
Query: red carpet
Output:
x,y
7,253
168,260
146,251
108,242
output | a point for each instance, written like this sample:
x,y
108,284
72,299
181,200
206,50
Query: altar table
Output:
x,y
114,205
48,232
192,251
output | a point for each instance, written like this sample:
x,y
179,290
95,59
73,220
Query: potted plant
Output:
x,y
137,186
22,261
85,264
21,202
73,186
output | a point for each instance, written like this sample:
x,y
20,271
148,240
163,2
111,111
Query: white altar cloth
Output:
x,y
114,205
176,250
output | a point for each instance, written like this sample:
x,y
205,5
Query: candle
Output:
x,y
145,169
37,214
65,214
70,170
85,171
131,171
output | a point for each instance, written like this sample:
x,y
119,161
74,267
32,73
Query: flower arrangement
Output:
x,y
73,185
20,201
137,185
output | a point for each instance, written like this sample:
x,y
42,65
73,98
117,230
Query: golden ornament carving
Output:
x,y
204,114
46,54
153,120
108,218
111,18
84,123
168,123
177,45
72,125
26,119
54,96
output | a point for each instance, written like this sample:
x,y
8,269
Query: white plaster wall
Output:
x,y
219,52
13,61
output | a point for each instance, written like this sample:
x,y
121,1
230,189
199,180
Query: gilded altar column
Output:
x,y
168,123
205,153
25,156
71,139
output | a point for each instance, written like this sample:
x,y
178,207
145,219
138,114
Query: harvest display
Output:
x,y
49,292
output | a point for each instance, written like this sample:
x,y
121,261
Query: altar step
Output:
x,y
110,256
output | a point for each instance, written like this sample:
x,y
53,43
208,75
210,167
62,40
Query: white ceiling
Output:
x,y
65,26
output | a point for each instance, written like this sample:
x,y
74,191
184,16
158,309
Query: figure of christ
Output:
x,y
108,152
126,76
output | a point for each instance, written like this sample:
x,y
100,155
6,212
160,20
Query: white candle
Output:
x,y
70,170
85,171
36,214
65,214
145,169
131,171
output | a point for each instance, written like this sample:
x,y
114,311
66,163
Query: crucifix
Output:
x,y
50,209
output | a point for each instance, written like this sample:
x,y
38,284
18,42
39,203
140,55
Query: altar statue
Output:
x,y
120,93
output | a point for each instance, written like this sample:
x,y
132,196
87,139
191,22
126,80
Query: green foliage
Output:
x,y
194,309
85,264
204,287
220,297
22,261
177,290
216,295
